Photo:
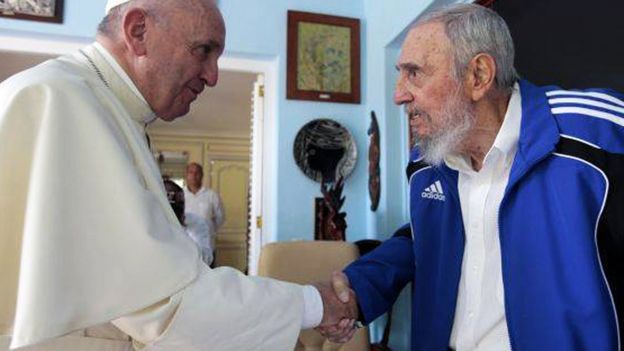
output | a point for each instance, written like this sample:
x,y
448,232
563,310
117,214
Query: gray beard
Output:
x,y
458,118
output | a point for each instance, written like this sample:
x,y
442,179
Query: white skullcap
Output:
x,y
112,3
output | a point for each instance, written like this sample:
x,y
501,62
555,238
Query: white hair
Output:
x,y
474,29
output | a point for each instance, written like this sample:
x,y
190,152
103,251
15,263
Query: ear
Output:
x,y
135,31
480,76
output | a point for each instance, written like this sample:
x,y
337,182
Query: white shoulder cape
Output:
x,y
86,232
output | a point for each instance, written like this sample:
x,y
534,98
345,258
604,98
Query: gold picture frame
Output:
x,y
323,58
34,10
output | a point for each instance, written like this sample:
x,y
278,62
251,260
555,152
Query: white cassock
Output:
x,y
198,229
89,245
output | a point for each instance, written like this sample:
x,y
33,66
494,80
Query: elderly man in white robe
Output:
x,y
91,255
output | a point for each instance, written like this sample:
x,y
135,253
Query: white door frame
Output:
x,y
264,145
254,229
265,140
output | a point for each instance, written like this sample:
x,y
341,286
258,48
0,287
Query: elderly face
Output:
x,y
183,57
440,114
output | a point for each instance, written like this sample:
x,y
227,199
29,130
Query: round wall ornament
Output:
x,y
324,150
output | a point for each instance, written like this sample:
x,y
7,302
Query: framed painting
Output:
x,y
323,58
34,10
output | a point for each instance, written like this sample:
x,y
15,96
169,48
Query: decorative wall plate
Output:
x,y
325,150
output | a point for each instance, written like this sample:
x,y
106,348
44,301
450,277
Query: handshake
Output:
x,y
340,309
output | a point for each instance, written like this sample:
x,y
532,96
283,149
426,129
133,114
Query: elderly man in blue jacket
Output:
x,y
517,219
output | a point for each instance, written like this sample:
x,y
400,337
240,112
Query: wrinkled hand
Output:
x,y
340,310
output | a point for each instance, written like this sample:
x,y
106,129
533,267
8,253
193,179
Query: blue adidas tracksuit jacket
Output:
x,y
561,225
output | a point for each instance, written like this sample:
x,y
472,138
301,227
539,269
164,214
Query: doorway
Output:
x,y
216,134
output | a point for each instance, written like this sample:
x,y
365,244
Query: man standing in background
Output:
x,y
203,212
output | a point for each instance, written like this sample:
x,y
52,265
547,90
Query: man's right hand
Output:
x,y
340,309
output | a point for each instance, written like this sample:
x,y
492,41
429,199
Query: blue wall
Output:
x,y
260,29
80,19
386,25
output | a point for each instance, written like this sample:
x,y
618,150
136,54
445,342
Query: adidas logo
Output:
x,y
434,192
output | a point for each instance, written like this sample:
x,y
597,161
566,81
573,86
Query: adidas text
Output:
x,y
434,192
433,196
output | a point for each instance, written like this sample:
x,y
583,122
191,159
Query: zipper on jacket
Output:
x,y
498,218
508,189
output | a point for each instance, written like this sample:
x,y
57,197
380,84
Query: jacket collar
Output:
x,y
539,133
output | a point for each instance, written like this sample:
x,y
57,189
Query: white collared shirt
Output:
x,y
207,205
480,322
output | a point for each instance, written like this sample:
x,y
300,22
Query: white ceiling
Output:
x,y
222,110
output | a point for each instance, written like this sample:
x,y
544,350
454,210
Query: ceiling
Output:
x,y
222,110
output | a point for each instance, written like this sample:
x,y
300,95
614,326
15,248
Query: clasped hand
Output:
x,y
340,309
